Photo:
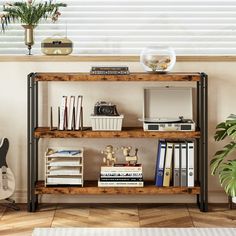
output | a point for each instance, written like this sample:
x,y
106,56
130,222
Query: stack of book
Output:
x,y
64,166
70,114
121,175
175,164
109,70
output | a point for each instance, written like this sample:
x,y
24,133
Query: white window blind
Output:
x,y
125,27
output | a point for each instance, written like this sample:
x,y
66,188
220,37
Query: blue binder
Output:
x,y
160,163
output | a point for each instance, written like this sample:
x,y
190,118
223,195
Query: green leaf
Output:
x,y
227,177
219,156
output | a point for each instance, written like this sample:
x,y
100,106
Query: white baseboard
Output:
x,y
20,196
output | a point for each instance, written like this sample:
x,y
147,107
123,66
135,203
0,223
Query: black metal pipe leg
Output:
x,y
31,143
204,144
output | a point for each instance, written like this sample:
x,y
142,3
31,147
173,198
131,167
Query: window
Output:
x,y
125,27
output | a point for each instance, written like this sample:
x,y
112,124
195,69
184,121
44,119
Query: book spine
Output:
x,y
120,184
121,169
70,112
123,174
109,72
62,113
66,114
78,112
111,68
121,179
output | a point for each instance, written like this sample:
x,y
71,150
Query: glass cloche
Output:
x,y
158,59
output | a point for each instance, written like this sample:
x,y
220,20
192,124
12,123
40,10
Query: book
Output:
x,y
183,164
106,68
121,174
109,70
176,174
190,163
160,163
120,184
63,113
78,113
121,179
70,113
121,168
168,163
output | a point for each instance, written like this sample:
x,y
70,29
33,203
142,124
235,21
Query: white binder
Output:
x,y
168,162
190,164
183,164
160,163
177,173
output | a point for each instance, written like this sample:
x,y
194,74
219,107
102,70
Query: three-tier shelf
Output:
x,y
37,187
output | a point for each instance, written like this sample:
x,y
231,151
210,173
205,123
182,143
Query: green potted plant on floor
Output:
x,y
226,168
29,13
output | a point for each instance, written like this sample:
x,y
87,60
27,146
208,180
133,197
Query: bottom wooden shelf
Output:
x,y
90,188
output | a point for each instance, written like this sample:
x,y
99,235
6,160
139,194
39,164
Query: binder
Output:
x,y
63,113
183,164
78,115
160,163
190,164
168,163
70,113
177,173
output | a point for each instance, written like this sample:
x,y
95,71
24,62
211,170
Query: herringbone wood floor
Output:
x,y
118,215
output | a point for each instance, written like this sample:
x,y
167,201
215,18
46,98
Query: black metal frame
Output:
x,y
202,142
202,114
32,118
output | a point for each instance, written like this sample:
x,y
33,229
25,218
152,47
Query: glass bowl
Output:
x,y
158,59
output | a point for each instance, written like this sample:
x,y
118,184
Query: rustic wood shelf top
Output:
x,y
131,77
127,132
90,188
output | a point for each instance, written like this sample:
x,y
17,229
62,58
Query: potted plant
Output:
x,y
226,168
29,13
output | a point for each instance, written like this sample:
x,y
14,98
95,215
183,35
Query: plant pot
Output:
x,y
234,200
29,36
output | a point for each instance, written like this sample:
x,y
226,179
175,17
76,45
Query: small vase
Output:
x,y
29,36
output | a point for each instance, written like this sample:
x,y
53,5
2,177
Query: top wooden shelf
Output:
x,y
131,77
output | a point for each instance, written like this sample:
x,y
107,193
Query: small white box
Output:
x,y
108,123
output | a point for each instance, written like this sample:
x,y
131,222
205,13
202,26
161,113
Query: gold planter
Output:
x,y
29,36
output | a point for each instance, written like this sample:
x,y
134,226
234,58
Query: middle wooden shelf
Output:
x,y
127,132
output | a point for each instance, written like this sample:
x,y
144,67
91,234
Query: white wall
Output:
x,y
128,96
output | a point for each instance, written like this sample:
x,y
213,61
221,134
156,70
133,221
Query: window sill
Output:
x,y
77,58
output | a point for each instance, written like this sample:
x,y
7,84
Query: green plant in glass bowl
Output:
x,y
29,14
219,164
